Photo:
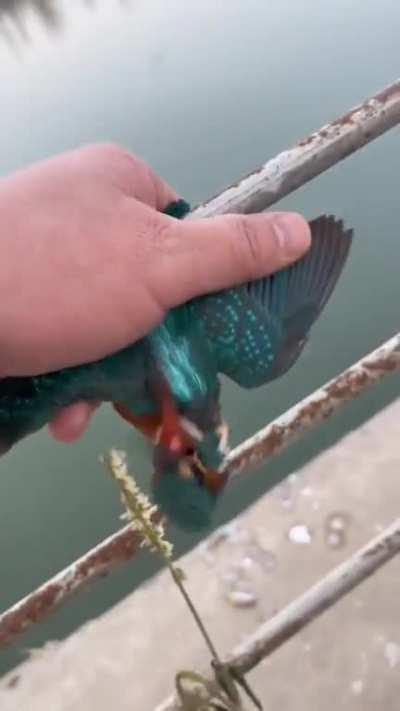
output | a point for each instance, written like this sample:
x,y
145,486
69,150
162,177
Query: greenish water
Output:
x,y
205,92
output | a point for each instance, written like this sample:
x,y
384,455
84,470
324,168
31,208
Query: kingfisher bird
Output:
x,y
167,384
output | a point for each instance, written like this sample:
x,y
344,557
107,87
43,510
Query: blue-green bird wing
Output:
x,y
257,331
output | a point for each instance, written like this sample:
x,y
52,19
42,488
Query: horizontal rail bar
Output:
x,y
268,442
318,598
315,408
310,157
308,606
99,561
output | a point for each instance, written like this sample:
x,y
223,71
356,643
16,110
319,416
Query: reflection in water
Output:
x,y
16,14
13,16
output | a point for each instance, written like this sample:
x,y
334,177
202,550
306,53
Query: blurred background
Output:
x,y
205,92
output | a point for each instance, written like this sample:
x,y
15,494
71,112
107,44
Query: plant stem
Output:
x,y
176,575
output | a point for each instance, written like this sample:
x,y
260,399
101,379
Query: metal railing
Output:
x,y
275,179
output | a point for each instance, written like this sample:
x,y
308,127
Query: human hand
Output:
x,y
89,264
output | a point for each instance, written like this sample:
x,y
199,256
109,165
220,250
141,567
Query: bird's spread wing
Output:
x,y
257,331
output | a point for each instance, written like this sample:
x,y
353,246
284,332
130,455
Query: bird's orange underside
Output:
x,y
152,426
164,427
149,425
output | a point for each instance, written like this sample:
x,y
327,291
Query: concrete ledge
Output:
x,y
350,658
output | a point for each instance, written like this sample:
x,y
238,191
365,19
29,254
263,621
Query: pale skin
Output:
x,y
89,264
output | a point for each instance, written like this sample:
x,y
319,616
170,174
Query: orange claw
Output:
x,y
214,481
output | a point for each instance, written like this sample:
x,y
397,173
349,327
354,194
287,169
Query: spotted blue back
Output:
x,y
257,331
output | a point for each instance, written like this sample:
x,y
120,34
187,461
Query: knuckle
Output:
x,y
104,151
131,173
115,158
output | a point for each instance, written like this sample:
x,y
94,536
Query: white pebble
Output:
x,y
307,491
242,598
392,654
357,687
300,534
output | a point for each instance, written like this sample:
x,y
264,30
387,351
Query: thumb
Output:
x,y
219,252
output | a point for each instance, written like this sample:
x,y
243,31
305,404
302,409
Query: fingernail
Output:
x,y
292,233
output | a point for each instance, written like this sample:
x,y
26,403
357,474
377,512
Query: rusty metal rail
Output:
x,y
310,157
307,607
315,408
266,443
97,562
277,178
321,596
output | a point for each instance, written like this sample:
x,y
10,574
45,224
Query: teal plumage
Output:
x,y
252,333
184,359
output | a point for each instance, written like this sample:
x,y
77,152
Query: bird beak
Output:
x,y
192,466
